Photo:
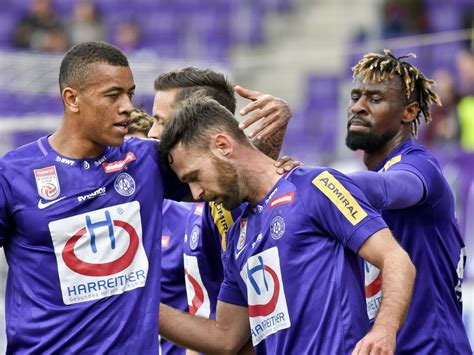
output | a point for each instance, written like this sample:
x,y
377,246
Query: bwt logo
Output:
x,y
100,269
262,310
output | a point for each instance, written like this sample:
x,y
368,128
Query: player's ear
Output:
x,y
222,144
410,112
70,99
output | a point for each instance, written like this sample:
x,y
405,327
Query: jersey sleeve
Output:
x,y
425,169
340,208
390,190
230,291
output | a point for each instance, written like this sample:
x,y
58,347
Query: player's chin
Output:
x,y
115,141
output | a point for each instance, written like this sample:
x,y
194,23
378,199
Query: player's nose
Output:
x,y
155,131
197,191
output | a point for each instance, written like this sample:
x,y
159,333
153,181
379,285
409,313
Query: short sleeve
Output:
x,y
341,209
230,291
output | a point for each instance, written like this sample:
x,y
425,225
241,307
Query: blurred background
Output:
x,y
299,50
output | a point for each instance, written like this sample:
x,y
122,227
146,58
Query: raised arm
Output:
x,y
225,335
398,277
391,189
273,114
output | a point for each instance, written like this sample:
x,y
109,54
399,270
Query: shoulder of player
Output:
x,y
139,144
20,159
306,175
177,209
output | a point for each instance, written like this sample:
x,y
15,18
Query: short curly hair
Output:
x,y
140,122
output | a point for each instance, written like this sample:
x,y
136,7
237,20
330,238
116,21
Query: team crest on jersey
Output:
x,y
120,164
243,233
282,200
199,303
277,227
47,182
267,307
373,289
124,184
100,253
194,239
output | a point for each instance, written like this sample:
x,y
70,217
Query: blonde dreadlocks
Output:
x,y
416,85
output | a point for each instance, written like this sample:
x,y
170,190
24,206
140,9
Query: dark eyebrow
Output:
x,y
187,177
118,88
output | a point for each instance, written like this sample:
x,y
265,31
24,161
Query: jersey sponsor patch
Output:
x,y
165,241
282,200
120,164
47,182
339,195
199,209
199,303
391,162
100,253
267,307
223,220
373,289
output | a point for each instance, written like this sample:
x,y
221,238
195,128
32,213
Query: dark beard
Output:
x,y
367,142
228,181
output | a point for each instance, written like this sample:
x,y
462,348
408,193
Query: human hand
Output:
x,y
379,341
273,113
285,164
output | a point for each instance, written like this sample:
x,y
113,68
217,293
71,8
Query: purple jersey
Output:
x,y
80,238
292,260
173,289
429,233
205,242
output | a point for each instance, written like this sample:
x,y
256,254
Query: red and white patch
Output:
x,y
165,241
120,164
47,182
243,234
373,289
199,209
199,303
282,199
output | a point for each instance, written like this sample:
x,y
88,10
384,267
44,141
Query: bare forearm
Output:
x,y
398,276
271,144
225,335
191,332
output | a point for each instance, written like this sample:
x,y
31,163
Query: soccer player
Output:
x,y
79,214
293,279
173,289
389,98
208,223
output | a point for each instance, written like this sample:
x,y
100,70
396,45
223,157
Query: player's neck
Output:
x,y
373,159
69,144
259,176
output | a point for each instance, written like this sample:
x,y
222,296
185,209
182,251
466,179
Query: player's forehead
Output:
x,y
375,84
102,77
186,159
164,103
